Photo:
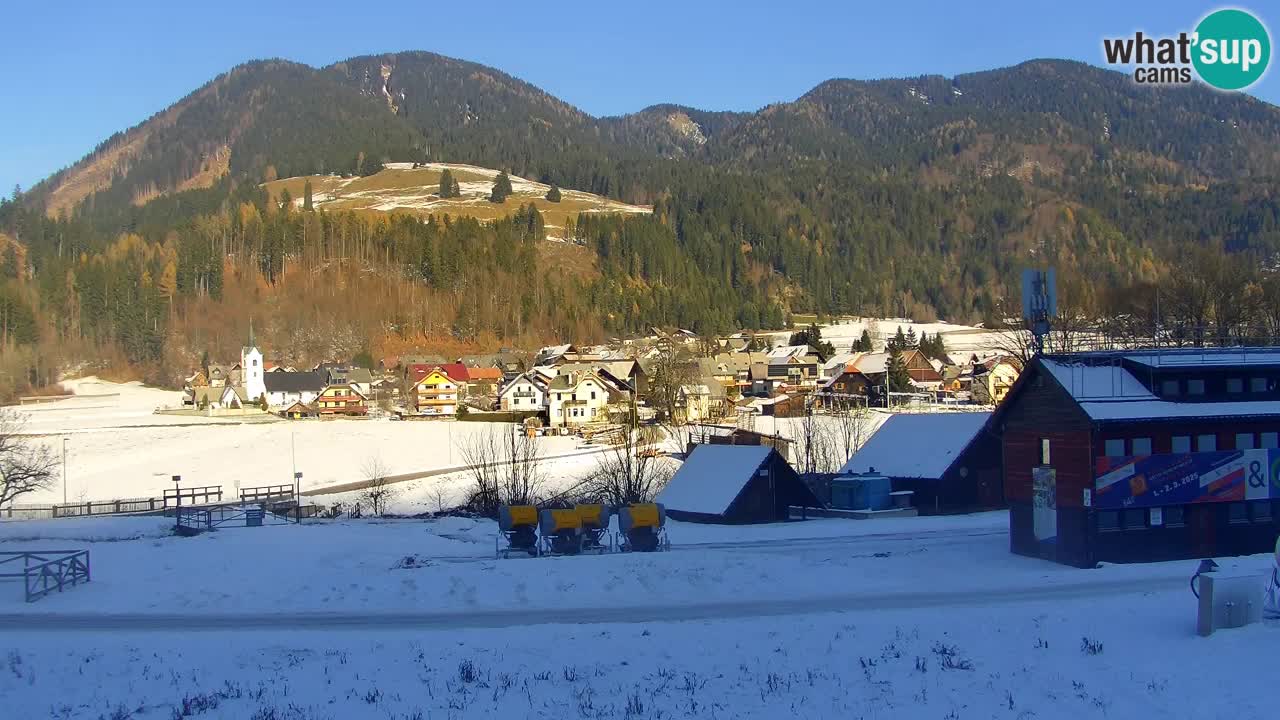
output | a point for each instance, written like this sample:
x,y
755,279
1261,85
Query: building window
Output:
x,y
1108,520
1195,386
1270,440
1169,387
1181,444
1135,519
1175,516
593,394
1141,447
1235,385
1244,441
1044,451
1258,384
1238,512
1260,511
1114,448
1206,443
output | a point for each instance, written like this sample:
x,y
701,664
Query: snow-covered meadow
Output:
x,y
902,618
117,447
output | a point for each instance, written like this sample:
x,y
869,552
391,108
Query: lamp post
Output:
x,y
64,471
177,499
297,493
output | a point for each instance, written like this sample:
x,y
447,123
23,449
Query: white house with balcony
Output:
x,y
526,392
579,398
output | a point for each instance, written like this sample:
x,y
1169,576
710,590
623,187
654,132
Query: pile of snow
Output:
x,y
91,530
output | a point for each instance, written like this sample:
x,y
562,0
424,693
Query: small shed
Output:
x,y
298,410
949,460
734,484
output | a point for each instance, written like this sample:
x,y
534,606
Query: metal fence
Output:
x,y
44,571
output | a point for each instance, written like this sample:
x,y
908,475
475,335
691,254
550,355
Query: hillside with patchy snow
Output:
x,y
415,188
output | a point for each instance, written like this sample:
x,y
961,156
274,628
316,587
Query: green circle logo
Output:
x,y
1232,49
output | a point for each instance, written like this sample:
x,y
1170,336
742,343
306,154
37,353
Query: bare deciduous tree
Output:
x,y
378,491
628,472
25,466
504,465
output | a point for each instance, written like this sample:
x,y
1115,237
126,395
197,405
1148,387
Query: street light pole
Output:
x,y
64,471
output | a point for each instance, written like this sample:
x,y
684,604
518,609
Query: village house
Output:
x,y
341,399
693,404
579,398
992,379
436,394
847,387
527,392
286,388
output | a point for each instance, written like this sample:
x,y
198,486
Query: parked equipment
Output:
x,y
643,528
561,532
517,531
595,528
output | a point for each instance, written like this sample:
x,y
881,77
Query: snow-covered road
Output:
x,y
930,598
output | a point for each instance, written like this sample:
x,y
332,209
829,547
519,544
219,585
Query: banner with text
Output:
x,y
1181,478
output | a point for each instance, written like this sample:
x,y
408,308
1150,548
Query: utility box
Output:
x,y
1228,600
867,491
253,517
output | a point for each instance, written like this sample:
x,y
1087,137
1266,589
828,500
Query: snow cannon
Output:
x,y
561,531
595,527
517,530
643,528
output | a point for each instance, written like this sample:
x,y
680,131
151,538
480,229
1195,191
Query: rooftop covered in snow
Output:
x,y
712,477
917,445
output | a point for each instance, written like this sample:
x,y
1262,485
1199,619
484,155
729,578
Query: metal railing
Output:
x,y
266,492
107,507
44,571
192,495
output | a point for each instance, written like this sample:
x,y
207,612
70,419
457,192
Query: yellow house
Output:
x,y
436,394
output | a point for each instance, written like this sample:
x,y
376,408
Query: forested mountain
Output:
x,y
920,196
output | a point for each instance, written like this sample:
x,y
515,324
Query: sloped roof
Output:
x,y
917,445
788,351
1111,392
484,373
359,375
294,381
712,477
457,372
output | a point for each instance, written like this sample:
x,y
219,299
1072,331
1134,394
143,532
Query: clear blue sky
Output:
x,y
74,72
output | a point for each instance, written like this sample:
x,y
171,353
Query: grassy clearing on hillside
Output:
x,y
400,187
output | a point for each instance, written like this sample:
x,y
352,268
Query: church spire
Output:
x,y
251,341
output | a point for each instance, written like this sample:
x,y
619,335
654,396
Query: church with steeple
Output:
x,y
251,369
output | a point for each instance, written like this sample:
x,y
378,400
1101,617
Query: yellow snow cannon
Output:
x,y
517,531
561,531
595,528
643,528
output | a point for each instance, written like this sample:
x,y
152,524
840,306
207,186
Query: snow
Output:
x,y
917,445
903,618
105,430
1102,381
1201,357
958,338
712,477
1154,409
1110,392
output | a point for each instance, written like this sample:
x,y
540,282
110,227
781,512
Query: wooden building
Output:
x,y
735,484
950,461
1143,455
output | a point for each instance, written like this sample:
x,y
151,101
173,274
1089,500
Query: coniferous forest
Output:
x,y
921,197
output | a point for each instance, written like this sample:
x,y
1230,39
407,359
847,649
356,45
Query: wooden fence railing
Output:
x,y
44,571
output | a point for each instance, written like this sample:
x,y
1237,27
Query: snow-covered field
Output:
x,y
958,338
118,448
903,618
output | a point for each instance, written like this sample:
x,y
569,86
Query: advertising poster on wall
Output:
x,y
1183,478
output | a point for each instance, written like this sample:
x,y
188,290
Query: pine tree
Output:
x,y
448,186
553,195
864,342
896,375
898,341
286,199
501,188
306,197
911,341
